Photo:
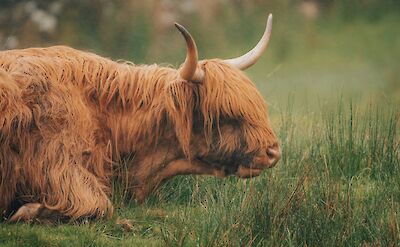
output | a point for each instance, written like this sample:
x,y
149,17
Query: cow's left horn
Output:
x,y
251,57
189,70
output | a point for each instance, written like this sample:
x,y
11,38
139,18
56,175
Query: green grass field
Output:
x,y
334,99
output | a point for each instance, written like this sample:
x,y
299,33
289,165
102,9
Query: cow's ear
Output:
x,y
189,70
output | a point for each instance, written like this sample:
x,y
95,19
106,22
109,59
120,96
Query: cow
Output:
x,y
68,119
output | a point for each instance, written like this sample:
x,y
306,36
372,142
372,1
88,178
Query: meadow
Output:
x,y
333,90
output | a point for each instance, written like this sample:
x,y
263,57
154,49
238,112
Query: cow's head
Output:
x,y
220,121
231,131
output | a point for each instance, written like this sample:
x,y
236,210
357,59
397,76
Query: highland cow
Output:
x,y
68,118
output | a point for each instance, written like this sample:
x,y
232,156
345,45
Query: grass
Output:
x,y
335,109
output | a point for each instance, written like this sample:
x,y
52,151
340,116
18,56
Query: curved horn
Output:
x,y
251,57
189,71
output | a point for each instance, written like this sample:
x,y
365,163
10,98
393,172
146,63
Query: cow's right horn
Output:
x,y
189,70
251,57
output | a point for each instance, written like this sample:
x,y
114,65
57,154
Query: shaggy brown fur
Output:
x,y
68,117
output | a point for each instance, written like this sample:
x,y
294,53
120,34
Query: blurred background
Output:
x,y
321,50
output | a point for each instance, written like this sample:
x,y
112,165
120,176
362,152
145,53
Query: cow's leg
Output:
x,y
77,194
37,212
27,212
74,194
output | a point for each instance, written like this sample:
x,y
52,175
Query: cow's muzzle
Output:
x,y
269,158
261,162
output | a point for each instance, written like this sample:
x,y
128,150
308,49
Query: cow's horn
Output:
x,y
189,70
251,57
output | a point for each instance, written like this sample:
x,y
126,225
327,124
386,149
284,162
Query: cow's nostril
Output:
x,y
274,154
268,158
